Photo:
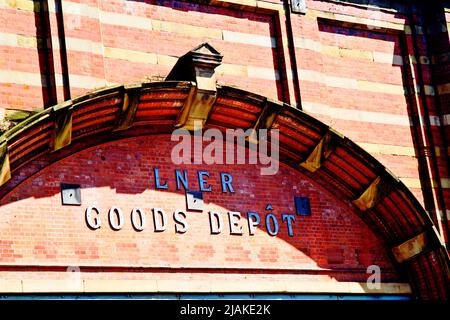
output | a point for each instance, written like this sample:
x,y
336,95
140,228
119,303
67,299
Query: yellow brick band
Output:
x,y
26,5
34,79
314,14
416,184
232,69
388,149
371,86
413,183
349,83
360,115
131,55
186,30
356,54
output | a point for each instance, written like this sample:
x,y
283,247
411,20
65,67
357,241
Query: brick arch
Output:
x,y
306,144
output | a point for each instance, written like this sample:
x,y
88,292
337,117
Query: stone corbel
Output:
x,y
266,119
5,171
374,193
322,151
62,125
197,66
130,103
426,241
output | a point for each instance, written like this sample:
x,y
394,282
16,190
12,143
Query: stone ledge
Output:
x,y
196,286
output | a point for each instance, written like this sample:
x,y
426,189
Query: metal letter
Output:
x,y
202,181
234,218
181,225
183,178
226,179
289,218
115,226
138,226
160,226
274,231
96,224
217,227
157,183
252,223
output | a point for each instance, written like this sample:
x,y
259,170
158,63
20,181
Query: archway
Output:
x,y
306,145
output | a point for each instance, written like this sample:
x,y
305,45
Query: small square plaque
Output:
x,y
194,200
302,206
71,194
298,6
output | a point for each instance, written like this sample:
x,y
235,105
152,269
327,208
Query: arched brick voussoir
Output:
x,y
306,144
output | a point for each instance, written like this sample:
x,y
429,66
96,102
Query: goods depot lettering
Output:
x,y
159,220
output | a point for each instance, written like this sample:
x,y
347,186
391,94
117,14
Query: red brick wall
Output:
x,y
38,230
352,77
438,47
352,63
